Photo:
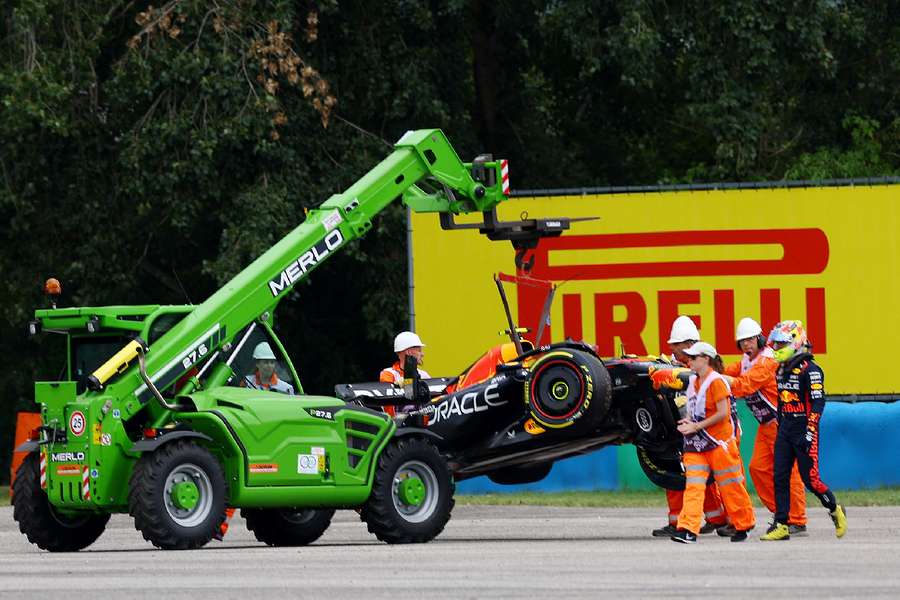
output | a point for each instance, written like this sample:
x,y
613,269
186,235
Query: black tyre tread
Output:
x,y
33,512
666,474
269,527
152,520
378,512
602,400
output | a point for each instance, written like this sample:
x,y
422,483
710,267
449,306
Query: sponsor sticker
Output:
x,y
332,220
95,473
68,469
77,423
105,439
117,414
644,420
95,433
264,468
816,386
307,464
320,453
533,428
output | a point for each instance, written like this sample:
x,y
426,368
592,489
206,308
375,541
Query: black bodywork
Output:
x,y
497,427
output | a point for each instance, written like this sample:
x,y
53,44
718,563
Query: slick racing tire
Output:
x,y
568,388
41,523
287,526
518,475
662,468
177,496
412,495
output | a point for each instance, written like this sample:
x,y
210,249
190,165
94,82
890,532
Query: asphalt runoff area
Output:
x,y
486,551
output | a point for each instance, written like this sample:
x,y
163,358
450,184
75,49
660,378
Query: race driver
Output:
x,y
752,379
801,400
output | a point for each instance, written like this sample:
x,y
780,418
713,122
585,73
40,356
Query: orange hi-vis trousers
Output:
x,y
727,470
762,472
712,505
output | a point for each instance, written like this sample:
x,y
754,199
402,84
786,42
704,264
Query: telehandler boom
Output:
x,y
163,416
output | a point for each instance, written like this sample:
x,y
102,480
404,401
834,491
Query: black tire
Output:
x,y
287,526
662,468
40,522
518,475
388,514
157,514
568,388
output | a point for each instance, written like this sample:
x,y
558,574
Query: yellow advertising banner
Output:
x,y
828,256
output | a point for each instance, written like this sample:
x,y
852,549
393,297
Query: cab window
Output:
x,y
90,352
259,364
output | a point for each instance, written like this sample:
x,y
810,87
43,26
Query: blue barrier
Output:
x,y
860,445
860,449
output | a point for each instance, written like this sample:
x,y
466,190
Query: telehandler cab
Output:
x,y
161,414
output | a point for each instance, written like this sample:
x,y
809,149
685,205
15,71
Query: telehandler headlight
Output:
x,y
93,325
34,327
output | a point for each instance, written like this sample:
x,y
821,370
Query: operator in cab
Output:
x,y
406,343
264,377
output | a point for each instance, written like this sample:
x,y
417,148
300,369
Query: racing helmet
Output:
x,y
406,340
263,351
791,333
683,329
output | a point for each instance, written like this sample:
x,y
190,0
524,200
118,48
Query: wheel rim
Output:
x,y
297,517
415,491
178,491
558,390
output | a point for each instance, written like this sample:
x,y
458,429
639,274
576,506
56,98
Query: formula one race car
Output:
x,y
518,409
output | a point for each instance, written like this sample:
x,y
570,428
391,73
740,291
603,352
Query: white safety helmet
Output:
x,y
406,340
263,351
747,328
683,329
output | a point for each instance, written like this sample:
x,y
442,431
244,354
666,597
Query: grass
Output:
x,y
4,495
655,498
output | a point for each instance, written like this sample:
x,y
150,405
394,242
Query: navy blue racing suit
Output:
x,y
801,400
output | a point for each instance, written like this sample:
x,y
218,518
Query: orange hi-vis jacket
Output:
x,y
712,504
394,374
703,396
754,381
713,450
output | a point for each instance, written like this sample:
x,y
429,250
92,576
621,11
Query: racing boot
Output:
x,y
797,530
776,532
839,518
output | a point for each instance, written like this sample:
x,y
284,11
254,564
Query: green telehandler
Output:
x,y
164,414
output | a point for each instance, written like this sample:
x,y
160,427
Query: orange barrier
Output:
x,y
25,423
